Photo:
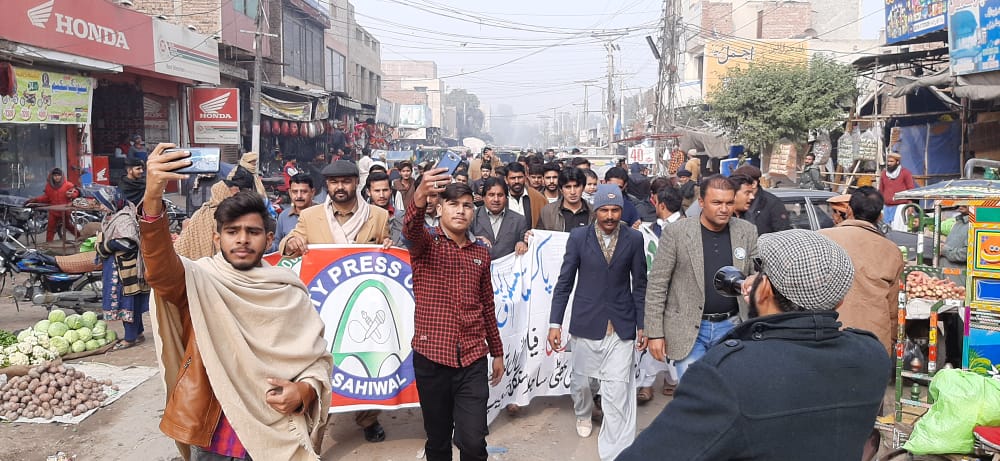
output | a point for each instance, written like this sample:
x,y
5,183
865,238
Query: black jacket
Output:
x,y
133,189
782,387
768,213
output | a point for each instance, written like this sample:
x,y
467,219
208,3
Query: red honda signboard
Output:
x,y
95,29
215,113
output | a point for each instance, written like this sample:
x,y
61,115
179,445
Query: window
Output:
x,y
247,7
302,49
374,45
336,79
357,34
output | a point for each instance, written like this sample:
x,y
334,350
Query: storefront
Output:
x,y
137,70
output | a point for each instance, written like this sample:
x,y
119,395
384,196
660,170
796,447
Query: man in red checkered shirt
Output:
x,y
455,324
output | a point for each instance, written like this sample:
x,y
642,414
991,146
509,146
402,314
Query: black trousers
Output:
x,y
453,402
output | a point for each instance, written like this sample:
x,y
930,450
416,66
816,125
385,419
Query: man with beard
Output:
x,y
380,195
570,211
894,178
767,212
606,262
133,183
810,177
788,383
536,176
454,321
744,195
550,182
525,201
58,191
342,219
687,187
685,315
247,388
301,191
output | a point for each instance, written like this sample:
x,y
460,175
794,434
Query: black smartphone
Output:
x,y
449,160
204,160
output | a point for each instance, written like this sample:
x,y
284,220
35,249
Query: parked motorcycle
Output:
x,y
175,215
69,282
14,213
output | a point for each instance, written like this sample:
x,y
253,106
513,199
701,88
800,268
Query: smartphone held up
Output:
x,y
449,160
204,160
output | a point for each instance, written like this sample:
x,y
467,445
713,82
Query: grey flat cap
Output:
x,y
807,268
341,168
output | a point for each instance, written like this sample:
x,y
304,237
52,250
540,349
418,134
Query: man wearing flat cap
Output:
x,y
894,178
342,219
786,384
607,262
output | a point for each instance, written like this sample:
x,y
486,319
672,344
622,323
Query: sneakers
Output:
x,y
584,427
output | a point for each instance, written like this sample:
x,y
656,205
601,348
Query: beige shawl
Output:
x,y
252,325
197,239
347,232
249,161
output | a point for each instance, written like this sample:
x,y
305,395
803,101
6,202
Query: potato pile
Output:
x,y
921,285
51,390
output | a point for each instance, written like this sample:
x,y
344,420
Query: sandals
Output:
x,y
123,344
644,394
668,389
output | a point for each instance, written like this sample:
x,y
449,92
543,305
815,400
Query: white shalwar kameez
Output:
x,y
610,361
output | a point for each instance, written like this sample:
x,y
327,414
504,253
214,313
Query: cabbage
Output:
x,y
42,326
71,336
97,332
24,334
92,345
89,319
78,346
102,324
102,342
57,315
57,329
18,358
74,321
111,336
60,345
85,334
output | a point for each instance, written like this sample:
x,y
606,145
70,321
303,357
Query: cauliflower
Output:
x,y
3,361
43,339
30,340
10,349
18,358
40,352
24,348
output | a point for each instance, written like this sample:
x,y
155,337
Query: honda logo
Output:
x,y
211,108
40,14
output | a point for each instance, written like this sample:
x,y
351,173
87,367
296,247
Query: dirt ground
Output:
x,y
128,428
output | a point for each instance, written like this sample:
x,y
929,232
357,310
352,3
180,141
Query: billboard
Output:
x,y
47,97
414,116
973,34
909,19
723,55
216,115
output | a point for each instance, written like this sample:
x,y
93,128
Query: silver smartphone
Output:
x,y
204,160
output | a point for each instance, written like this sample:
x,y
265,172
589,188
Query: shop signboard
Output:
x,y
48,97
155,117
286,110
642,154
184,53
414,116
907,19
721,56
216,115
95,29
973,32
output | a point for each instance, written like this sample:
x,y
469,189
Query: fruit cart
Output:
x,y
973,292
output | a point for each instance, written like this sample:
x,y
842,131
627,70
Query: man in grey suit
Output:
x,y
503,228
685,315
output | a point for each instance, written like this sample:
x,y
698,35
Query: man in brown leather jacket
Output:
x,y
238,385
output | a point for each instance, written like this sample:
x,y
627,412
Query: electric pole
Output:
x,y
610,92
258,74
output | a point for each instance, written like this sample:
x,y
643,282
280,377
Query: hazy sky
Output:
x,y
528,53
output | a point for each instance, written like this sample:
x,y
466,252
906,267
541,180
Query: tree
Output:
x,y
758,105
468,117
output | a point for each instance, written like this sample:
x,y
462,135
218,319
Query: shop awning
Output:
x,y
955,189
348,103
307,94
31,53
978,87
868,62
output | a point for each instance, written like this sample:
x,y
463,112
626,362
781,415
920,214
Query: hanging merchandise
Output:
x,y
845,150
822,147
285,128
322,127
275,128
265,128
868,146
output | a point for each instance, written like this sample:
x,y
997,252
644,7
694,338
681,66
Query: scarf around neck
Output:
x,y
347,232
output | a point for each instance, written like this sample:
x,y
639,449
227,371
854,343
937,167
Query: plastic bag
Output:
x,y
90,244
962,401
913,358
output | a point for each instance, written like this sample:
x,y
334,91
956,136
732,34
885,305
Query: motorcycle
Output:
x,y
14,213
175,215
70,282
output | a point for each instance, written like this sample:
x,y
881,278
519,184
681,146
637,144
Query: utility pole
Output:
x,y
610,92
664,118
258,75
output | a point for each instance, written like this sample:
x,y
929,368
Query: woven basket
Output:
x,y
79,263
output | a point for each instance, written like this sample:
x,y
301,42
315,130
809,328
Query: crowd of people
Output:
x,y
770,372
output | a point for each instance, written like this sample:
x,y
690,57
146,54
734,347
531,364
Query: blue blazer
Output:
x,y
615,292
